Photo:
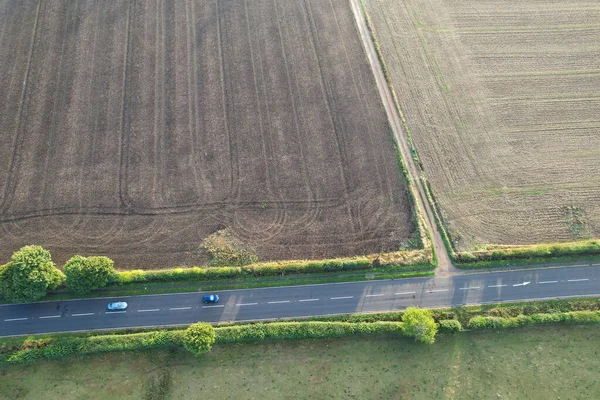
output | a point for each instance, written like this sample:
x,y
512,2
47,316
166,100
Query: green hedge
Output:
x,y
302,330
53,348
534,319
276,269
552,250
61,348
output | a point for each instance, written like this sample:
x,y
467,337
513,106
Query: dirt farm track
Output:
x,y
134,129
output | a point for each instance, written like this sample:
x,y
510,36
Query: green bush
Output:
x,y
199,338
29,275
419,323
88,273
449,326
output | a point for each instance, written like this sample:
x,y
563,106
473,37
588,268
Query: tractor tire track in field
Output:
x,y
124,148
341,156
13,166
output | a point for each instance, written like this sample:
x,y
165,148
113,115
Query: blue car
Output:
x,y
213,298
117,306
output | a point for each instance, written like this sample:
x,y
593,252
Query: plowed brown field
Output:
x,y
502,99
135,129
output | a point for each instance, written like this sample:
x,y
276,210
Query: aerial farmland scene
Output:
x,y
299,199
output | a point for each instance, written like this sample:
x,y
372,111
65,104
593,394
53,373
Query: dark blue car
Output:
x,y
213,298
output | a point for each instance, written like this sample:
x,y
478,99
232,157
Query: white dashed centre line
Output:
x,y
308,300
152,310
375,295
279,302
341,298
82,315
213,306
541,283
400,294
180,308
246,304
115,312
438,290
469,288
50,316
497,285
577,280
15,319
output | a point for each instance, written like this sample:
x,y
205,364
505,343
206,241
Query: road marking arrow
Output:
x,y
522,284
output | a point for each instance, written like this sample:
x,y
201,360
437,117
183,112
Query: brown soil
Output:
x,y
136,129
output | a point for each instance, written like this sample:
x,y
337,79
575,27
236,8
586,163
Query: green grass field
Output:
x,y
534,363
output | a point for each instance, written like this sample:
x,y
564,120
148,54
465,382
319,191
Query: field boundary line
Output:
x,y
124,145
387,94
14,158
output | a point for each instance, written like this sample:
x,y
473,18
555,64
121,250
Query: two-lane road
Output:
x,y
298,301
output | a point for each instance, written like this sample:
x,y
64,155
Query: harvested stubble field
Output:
x,y
135,129
502,99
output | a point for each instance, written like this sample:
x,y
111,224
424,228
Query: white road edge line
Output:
x,y
578,280
15,319
497,286
82,315
180,308
468,288
278,302
399,294
308,300
246,304
341,298
213,306
50,316
541,283
374,295
438,290
152,310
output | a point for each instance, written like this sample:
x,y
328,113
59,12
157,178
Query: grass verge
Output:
x,y
531,363
147,288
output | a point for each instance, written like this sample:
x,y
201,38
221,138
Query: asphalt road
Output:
x,y
297,301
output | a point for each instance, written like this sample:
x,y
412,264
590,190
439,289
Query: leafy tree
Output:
x,y
419,324
199,338
88,273
29,275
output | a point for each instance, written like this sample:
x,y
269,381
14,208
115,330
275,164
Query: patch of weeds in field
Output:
x,y
158,386
577,221
226,250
